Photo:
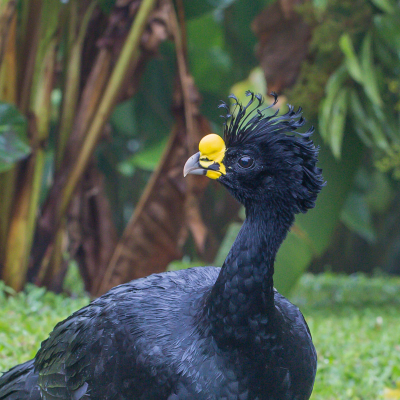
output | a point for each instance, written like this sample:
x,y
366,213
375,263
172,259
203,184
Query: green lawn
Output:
x,y
27,318
355,322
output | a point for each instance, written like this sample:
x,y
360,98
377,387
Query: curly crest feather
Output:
x,y
246,124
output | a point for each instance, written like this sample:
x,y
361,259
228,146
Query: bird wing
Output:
x,y
19,383
76,349
120,343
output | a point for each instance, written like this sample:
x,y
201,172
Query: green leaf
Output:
x,y
358,109
227,243
106,5
240,38
221,52
385,55
351,60
293,258
195,8
14,144
370,82
182,264
357,216
365,122
386,121
49,25
333,87
147,159
376,124
339,112
255,82
385,5
315,229
123,119
320,5
359,118
207,52
388,28
380,193
379,137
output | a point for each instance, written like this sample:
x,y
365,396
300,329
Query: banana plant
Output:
x,y
363,93
41,51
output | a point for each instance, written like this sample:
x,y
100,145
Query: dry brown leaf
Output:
x,y
151,239
283,43
110,44
91,229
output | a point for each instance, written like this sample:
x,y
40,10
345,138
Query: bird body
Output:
x,y
201,333
111,349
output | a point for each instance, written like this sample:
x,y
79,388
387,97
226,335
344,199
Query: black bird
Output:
x,y
203,333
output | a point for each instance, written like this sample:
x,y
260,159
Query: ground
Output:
x,y
355,323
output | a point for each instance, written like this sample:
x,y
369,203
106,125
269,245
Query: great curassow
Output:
x,y
203,333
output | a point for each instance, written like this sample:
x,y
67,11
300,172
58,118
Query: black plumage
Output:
x,y
202,333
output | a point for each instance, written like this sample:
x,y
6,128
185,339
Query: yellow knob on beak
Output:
x,y
208,161
212,146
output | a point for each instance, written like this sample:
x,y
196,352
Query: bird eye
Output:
x,y
245,162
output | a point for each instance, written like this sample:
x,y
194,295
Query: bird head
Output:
x,y
262,158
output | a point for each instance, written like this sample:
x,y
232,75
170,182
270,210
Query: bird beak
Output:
x,y
208,161
193,166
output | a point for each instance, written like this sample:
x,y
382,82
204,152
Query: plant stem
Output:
x,y
129,55
72,81
23,220
8,93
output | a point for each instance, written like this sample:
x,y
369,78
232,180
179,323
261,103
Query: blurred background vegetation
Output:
x,y
102,101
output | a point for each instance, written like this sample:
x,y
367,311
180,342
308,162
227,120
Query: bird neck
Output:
x,y
243,295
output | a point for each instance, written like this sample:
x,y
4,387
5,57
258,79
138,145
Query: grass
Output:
x,y
355,322
27,318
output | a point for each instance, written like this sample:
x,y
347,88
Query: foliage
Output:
x,y
349,85
358,352
27,317
371,196
355,49
365,85
67,85
349,82
341,199
328,290
329,20
353,320
67,109
13,137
